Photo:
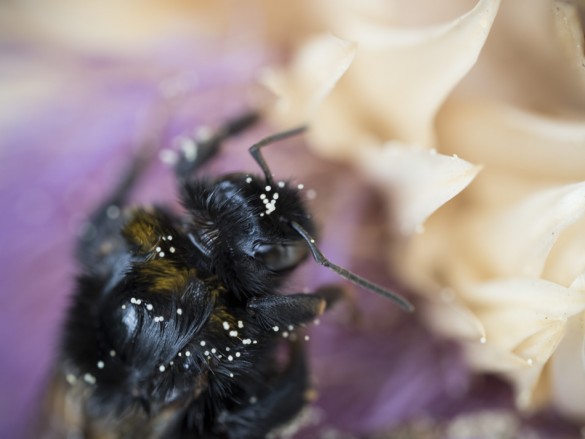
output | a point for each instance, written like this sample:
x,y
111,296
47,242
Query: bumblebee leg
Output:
x,y
293,309
100,235
285,399
198,150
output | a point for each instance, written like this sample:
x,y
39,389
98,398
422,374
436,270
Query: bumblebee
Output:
x,y
176,328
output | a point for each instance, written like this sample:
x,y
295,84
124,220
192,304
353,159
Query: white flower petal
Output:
x,y
513,140
314,72
517,241
401,77
417,181
567,371
546,300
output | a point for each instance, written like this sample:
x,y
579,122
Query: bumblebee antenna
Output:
x,y
358,280
257,155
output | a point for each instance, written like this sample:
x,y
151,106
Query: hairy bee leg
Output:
x,y
293,309
287,396
198,150
100,235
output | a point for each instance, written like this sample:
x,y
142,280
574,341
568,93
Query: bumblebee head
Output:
x,y
242,223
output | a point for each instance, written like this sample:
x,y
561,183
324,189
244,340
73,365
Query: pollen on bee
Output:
x,y
172,249
238,354
179,311
161,368
100,364
268,188
281,184
226,325
300,186
249,180
187,353
89,378
202,343
233,333
113,211
70,378
112,353
307,338
230,357
240,324
246,341
275,328
149,306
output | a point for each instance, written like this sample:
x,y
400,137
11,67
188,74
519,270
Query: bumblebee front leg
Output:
x,y
263,414
206,143
294,309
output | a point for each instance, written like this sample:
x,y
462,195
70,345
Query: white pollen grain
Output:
x,y
161,368
249,180
170,237
162,254
179,311
100,364
149,306
113,211
187,353
300,186
240,324
172,249
230,358
202,343
226,326
112,353
281,184
233,333
158,249
262,196
275,328
307,338
89,378
268,188
70,378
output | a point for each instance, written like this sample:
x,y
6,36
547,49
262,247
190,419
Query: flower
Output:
x,y
426,111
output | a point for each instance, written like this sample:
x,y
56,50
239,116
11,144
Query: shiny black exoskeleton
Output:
x,y
176,322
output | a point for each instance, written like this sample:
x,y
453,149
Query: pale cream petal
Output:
x,y
525,320
401,77
517,241
565,264
417,181
544,299
513,140
567,372
527,61
452,318
303,86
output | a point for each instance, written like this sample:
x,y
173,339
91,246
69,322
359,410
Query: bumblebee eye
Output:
x,y
282,256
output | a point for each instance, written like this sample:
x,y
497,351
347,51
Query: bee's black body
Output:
x,y
176,324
